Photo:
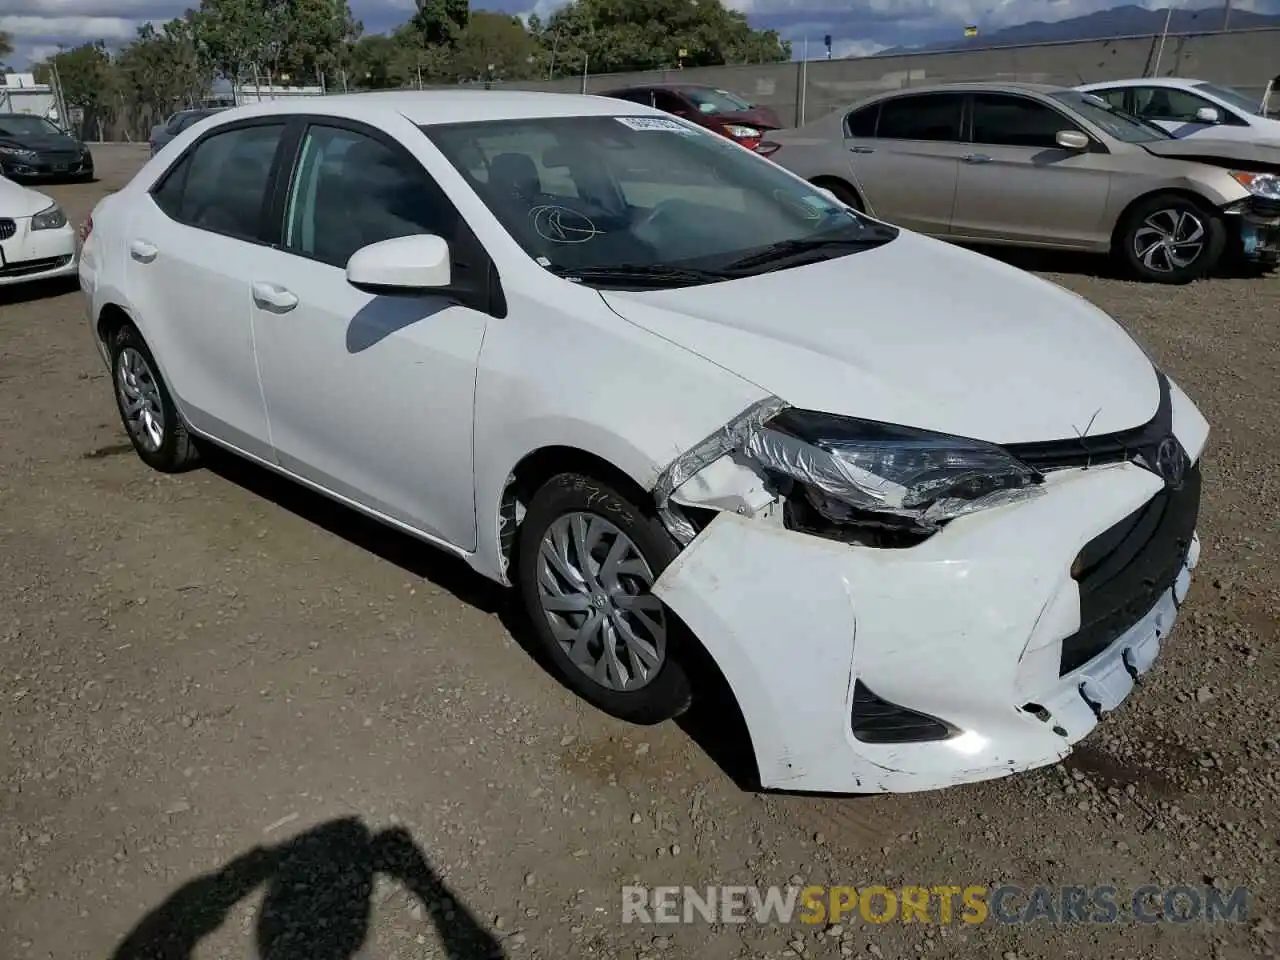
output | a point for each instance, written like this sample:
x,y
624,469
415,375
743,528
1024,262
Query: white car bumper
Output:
x,y
30,255
967,627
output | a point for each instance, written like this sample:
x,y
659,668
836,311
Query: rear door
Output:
x,y
191,246
905,156
1016,184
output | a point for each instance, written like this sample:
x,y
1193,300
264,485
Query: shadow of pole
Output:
x,y
317,903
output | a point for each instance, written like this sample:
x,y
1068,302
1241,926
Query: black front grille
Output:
x,y
26,267
7,229
60,156
1124,571
1086,451
1264,207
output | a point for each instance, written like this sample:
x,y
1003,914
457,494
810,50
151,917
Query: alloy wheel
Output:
x,y
1169,240
594,589
139,394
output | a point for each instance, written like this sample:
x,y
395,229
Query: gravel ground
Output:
x,y
236,719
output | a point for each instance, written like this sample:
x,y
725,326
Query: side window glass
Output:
x,y
350,190
862,123
928,116
225,188
668,102
168,195
1113,97
1016,122
1158,103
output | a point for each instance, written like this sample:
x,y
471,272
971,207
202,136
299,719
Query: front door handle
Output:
x,y
861,149
976,158
143,251
273,297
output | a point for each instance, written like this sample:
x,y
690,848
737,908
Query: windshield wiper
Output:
x,y
641,274
868,238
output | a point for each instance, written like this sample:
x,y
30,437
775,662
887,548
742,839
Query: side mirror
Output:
x,y
1208,115
401,265
1071,140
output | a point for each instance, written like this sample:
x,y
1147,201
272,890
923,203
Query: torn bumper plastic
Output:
x,y
967,627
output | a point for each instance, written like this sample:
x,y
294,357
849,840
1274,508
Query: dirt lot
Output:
x,y
215,690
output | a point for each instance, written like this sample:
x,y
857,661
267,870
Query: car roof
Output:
x,y
974,86
429,107
1181,83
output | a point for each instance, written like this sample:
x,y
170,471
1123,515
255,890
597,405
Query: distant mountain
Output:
x,y
1126,21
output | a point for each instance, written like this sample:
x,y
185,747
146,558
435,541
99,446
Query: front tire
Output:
x,y
156,429
587,558
1170,238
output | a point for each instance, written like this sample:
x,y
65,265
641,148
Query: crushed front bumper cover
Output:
x,y
967,627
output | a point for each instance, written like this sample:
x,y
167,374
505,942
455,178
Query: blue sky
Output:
x,y
858,26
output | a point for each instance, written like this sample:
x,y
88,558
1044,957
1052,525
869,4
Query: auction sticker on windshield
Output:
x,y
653,123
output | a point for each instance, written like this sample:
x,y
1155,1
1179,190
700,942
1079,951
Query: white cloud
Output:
x,y
856,48
72,29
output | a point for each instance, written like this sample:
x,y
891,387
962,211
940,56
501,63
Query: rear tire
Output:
x,y
585,561
1171,238
156,429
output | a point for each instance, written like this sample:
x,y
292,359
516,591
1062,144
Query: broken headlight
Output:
x,y
853,470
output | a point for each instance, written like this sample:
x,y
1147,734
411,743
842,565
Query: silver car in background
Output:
x,y
166,131
1041,166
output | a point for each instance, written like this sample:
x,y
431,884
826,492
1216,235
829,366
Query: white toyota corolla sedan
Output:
x,y
36,242
930,516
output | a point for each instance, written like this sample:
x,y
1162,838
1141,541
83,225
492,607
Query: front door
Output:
x,y
1017,184
368,396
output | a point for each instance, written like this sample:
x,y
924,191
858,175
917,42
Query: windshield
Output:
x,y
1121,125
717,101
644,193
16,125
1233,98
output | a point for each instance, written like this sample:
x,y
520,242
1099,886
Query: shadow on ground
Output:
x,y
714,723
317,901
32,290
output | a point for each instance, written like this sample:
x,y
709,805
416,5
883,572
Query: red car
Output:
x,y
719,110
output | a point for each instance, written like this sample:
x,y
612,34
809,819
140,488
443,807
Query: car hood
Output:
x,y
1218,152
920,333
42,142
761,117
18,201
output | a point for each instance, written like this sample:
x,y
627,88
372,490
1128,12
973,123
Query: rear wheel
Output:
x,y
587,560
156,430
1170,238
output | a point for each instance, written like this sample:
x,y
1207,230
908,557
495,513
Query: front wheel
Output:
x,y
587,559
1173,239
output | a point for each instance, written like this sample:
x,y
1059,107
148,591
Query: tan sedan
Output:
x,y
1040,166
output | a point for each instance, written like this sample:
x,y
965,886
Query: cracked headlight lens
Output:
x,y
50,218
849,466
1259,184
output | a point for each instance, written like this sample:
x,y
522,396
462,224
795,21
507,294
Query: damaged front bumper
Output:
x,y
1259,228
977,630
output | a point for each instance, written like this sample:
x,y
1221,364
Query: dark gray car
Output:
x,y
162,134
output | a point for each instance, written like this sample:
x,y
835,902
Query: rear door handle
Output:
x,y
274,298
976,158
142,251
861,149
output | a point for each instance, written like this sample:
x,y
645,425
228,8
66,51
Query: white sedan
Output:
x,y
929,516
36,242
1190,108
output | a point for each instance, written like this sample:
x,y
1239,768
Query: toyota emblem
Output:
x,y
1171,462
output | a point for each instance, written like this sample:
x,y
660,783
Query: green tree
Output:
x,y
6,46
84,74
497,46
618,35
162,70
439,22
